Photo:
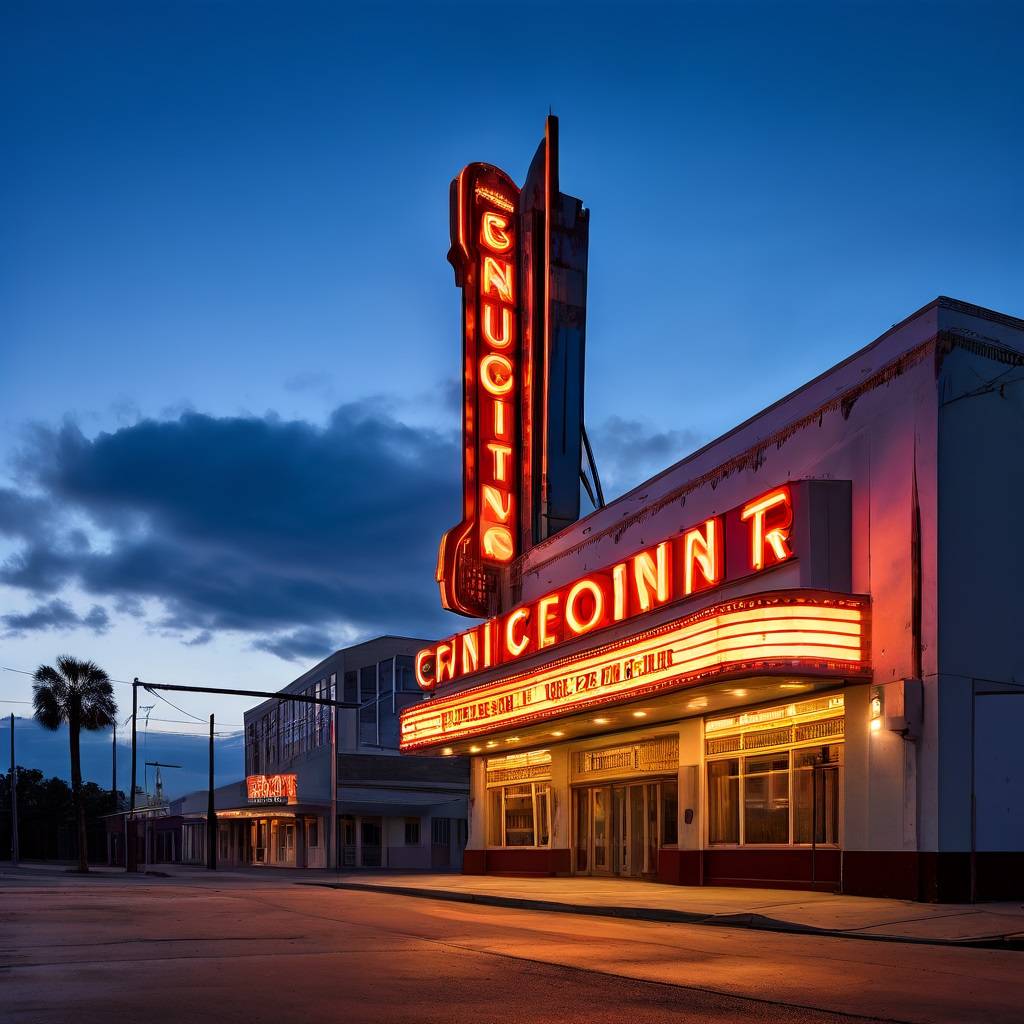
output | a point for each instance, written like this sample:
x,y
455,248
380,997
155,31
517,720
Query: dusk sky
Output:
x,y
229,338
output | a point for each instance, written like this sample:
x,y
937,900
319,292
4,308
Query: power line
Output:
x,y
171,721
175,706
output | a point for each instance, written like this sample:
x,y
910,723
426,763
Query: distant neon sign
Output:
x,y
785,631
272,789
758,534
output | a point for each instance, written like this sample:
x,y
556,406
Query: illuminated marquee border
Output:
x,y
800,649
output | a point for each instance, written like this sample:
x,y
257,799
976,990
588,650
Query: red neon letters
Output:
x,y
687,564
272,789
485,256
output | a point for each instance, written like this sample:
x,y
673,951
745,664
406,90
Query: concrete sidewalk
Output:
x,y
984,924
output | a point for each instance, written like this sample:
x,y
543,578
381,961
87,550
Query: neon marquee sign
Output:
x,y
272,789
745,540
485,255
780,632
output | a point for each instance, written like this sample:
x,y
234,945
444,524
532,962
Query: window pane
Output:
x,y
367,683
494,819
600,812
724,801
368,711
669,813
351,687
543,817
766,799
816,794
519,816
412,831
384,669
405,675
582,801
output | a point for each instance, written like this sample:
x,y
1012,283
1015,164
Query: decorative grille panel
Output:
x,y
659,754
820,730
724,744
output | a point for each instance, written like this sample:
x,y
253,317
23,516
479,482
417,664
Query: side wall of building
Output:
x,y
979,827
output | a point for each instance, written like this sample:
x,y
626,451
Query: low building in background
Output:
x,y
389,811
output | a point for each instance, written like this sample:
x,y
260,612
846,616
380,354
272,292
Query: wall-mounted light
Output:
x,y
876,709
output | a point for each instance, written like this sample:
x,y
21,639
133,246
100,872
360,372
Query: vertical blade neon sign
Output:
x,y
485,256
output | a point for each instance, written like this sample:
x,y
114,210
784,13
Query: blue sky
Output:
x,y
228,334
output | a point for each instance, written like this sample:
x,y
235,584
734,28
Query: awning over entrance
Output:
x,y
744,651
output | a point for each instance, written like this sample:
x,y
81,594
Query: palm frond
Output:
x,y
49,711
75,691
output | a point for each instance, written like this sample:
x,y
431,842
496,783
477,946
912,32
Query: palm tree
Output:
x,y
78,693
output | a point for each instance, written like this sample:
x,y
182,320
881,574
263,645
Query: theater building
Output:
x,y
792,659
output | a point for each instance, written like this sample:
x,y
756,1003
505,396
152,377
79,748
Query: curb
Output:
x,y
754,922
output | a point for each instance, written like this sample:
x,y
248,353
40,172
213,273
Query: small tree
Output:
x,y
77,693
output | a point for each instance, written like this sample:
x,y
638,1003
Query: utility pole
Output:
x,y
333,860
113,768
130,860
14,800
211,815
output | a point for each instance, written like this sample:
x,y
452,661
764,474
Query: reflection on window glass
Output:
x,y
351,687
669,813
520,815
367,683
368,734
385,671
405,675
724,801
766,799
816,794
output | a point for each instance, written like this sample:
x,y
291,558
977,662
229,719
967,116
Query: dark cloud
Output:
x,y
300,645
628,452
304,537
55,614
245,523
23,517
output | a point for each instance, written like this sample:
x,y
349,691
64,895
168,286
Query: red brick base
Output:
x,y
931,877
516,862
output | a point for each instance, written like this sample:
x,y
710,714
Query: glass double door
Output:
x,y
616,829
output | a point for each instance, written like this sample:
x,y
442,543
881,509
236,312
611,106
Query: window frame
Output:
x,y
502,819
790,752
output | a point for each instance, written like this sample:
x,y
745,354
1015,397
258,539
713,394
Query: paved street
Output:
x,y
160,950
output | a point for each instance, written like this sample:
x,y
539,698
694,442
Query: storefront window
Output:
x,y
724,801
520,815
786,797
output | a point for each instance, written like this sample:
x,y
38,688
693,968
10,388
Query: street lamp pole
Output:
x,y
211,814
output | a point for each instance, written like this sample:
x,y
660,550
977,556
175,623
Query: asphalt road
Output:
x,y
75,951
